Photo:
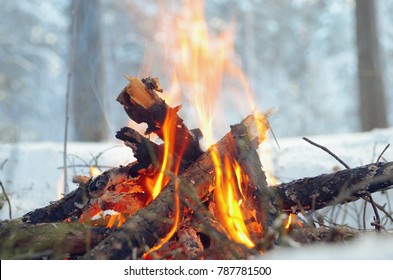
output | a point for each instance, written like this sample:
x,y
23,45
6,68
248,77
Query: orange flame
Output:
x,y
200,63
228,195
168,165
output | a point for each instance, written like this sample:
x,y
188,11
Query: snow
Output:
x,y
369,246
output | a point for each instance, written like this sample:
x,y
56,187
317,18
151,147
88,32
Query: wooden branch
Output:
x,y
145,151
335,188
70,206
73,204
142,104
49,240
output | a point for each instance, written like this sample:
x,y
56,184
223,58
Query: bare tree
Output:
x,y
87,84
370,71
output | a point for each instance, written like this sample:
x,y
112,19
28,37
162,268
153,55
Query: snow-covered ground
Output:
x,y
32,174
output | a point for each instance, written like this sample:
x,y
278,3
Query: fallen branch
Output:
x,y
335,188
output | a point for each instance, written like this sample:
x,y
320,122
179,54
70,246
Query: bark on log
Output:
x,y
70,206
142,104
335,188
49,240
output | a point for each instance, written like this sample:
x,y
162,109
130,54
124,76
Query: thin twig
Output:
x,y
69,77
274,136
328,151
88,166
384,150
377,219
382,208
8,200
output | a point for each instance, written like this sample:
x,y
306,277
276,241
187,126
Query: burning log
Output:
x,y
72,205
142,104
145,151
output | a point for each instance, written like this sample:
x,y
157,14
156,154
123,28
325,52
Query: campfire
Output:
x,y
190,196
177,201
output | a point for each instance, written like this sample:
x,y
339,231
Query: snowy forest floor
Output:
x,y
32,175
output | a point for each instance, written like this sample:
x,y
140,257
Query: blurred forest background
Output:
x,y
324,65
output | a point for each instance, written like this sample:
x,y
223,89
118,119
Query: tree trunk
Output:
x,y
87,76
370,71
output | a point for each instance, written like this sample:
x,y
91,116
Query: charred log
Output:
x,y
145,151
74,203
142,104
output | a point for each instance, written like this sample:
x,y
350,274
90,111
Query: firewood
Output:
x,y
49,240
145,151
142,104
334,188
72,205
152,223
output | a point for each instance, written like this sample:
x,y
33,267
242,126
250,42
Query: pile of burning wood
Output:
x,y
177,201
